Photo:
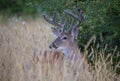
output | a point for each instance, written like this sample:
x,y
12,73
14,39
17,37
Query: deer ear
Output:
x,y
55,31
75,32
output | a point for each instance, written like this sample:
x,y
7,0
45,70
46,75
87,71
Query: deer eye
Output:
x,y
64,38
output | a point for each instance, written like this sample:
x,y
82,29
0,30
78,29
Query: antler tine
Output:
x,y
71,25
63,23
78,16
79,13
54,16
53,21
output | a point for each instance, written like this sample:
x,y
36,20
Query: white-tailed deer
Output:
x,y
65,41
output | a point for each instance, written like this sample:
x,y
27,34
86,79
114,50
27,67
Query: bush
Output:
x,y
17,7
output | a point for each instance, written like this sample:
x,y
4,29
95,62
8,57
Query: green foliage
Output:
x,y
17,7
101,17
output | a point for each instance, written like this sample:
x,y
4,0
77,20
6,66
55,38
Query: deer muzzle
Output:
x,y
53,46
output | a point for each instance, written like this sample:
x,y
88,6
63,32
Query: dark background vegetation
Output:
x,y
101,18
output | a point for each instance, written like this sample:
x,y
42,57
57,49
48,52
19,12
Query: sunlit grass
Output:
x,y
24,55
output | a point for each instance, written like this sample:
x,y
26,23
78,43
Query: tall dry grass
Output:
x,y
24,55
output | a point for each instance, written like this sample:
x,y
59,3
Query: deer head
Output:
x,y
65,40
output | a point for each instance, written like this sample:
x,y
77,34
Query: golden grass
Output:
x,y
23,43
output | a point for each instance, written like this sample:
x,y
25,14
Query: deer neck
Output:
x,y
72,52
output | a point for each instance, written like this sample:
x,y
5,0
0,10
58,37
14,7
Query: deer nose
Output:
x,y
50,47
53,46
